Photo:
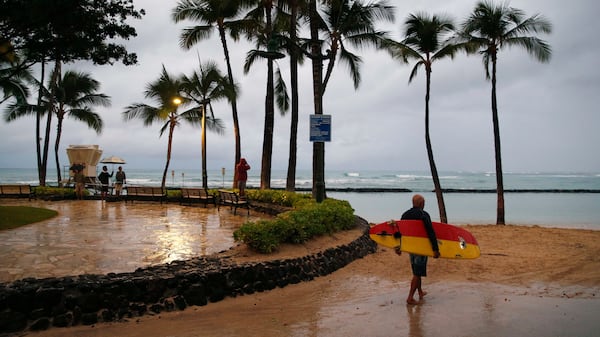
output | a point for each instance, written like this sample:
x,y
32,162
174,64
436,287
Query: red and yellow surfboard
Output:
x,y
410,236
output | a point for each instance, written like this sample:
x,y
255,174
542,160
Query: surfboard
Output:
x,y
410,236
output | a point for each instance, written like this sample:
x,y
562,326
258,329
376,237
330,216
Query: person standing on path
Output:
x,y
242,174
104,178
418,262
79,179
120,178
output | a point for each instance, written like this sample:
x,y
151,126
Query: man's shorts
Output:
x,y
418,264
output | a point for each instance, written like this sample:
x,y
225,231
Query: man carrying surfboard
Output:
x,y
418,262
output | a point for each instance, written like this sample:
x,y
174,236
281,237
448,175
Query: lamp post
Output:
x,y
172,122
223,174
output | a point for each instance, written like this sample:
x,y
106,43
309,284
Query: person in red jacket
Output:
x,y
242,175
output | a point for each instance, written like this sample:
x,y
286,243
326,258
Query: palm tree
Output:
x,y
423,43
211,14
21,107
166,91
353,24
265,37
487,30
75,93
203,87
316,56
295,7
343,23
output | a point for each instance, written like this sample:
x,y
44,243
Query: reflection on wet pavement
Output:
x,y
363,306
95,237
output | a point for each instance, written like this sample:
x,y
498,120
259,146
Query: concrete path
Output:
x,y
96,237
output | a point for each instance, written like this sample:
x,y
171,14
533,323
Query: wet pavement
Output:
x,y
98,237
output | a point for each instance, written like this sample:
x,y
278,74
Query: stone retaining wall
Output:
x,y
38,304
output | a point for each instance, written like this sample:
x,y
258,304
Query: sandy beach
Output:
x,y
530,280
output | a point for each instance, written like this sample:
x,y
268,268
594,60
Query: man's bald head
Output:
x,y
418,201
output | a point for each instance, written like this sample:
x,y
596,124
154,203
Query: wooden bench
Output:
x,y
196,194
145,192
16,191
231,199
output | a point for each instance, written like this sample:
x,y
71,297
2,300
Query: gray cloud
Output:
x,y
548,112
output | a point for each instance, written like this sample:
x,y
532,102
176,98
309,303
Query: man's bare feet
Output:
x,y
422,294
411,301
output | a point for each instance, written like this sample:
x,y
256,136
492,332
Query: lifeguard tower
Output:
x,y
86,155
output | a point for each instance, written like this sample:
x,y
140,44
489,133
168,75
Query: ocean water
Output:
x,y
557,205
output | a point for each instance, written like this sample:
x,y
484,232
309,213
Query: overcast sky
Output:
x,y
548,111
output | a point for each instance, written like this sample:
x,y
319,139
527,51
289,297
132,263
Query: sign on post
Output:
x,y
320,128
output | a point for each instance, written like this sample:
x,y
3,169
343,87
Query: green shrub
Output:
x,y
262,236
277,197
174,194
307,220
64,192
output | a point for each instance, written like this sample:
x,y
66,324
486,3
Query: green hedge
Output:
x,y
283,198
63,192
307,220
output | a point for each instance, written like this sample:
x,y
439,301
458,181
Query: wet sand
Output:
x,y
529,281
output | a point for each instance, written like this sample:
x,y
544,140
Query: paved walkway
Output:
x,y
96,237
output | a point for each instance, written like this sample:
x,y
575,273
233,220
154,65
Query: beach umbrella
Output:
x,y
113,160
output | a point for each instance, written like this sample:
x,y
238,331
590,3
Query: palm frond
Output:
x,y
415,70
215,125
90,118
164,128
148,114
353,62
281,93
192,35
16,111
535,47
251,57
192,116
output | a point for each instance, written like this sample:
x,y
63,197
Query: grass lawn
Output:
x,y
16,216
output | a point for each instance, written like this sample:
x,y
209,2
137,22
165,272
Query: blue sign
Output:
x,y
320,128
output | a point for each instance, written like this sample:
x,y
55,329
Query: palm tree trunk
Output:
x,y
499,180
38,119
318,190
267,151
169,145
56,147
234,112
434,173
53,84
330,64
291,173
204,171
